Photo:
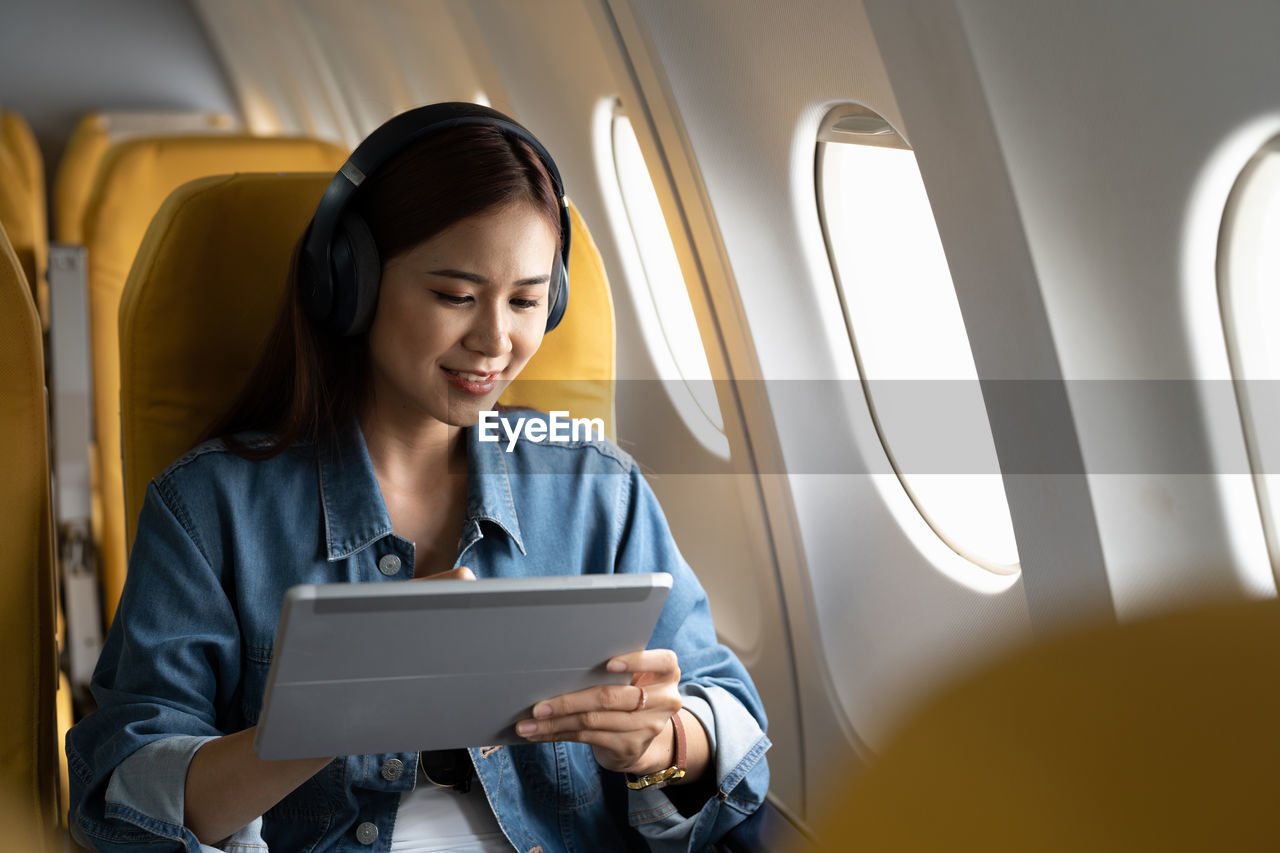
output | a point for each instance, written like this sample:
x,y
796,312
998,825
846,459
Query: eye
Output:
x,y
525,304
451,298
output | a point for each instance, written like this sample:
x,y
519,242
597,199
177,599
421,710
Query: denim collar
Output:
x,y
355,515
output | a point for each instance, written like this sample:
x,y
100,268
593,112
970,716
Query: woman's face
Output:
x,y
460,314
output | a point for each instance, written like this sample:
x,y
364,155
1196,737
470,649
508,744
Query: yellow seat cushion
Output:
x,y
28,736
133,181
1156,735
206,287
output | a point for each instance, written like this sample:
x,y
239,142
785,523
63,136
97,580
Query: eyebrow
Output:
x,y
479,279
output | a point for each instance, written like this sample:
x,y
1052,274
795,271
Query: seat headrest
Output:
x,y
88,143
22,204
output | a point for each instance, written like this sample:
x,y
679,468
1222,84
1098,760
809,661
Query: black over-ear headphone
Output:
x,y
340,265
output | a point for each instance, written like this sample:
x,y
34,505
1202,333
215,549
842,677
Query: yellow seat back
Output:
x,y
22,205
135,178
28,735
93,135
208,282
198,307
1157,735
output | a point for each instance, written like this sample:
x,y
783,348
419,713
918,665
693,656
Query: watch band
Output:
x,y
678,726
676,771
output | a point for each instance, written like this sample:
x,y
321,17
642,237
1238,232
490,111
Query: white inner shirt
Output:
x,y
432,819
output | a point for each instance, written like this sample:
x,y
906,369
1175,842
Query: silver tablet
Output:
x,y
399,667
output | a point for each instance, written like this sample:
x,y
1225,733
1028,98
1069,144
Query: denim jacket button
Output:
x,y
366,833
389,565
391,769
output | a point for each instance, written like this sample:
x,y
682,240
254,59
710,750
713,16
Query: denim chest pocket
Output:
x,y
257,663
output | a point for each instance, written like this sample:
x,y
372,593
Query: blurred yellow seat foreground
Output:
x,y
1161,735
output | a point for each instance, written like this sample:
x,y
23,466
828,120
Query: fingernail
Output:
x,y
527,727
617,666
543,710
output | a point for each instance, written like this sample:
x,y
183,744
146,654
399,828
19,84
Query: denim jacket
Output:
x,y
220,539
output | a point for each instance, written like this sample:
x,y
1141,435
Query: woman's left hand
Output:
x,y
624,723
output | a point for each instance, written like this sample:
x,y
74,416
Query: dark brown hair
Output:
x,y
308,382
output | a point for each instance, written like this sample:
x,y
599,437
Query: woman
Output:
x,y
423,285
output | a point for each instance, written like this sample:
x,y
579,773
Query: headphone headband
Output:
x,y
339,259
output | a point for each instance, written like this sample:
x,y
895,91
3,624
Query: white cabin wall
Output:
x,y
738,91
337,70
65,58
1123,126
1120,128
1006,320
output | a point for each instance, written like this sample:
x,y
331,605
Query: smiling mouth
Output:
x,y
477,385
470,377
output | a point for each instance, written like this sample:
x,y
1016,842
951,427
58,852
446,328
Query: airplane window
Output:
x,y
908,336
1248,274
672,331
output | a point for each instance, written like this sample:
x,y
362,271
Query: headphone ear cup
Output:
x,y
316,280
559,293
357,273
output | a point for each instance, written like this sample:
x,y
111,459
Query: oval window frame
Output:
x,y
853,123
691,406
1241,364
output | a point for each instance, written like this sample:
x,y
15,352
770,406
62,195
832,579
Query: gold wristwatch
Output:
x,y
664,777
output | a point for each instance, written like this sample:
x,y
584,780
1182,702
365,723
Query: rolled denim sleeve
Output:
x,y
170,662
714,685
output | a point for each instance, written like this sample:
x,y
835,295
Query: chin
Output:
x,y
468,413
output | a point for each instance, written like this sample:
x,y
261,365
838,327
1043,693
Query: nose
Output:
x,y
490,333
